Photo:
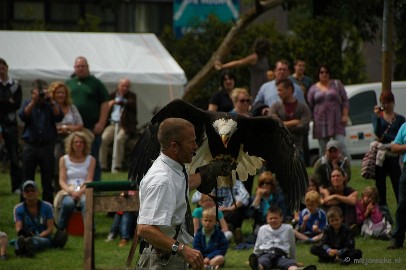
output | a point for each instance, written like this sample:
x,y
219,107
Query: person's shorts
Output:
x,y
269,262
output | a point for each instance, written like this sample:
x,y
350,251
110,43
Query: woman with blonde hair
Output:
x,y
241,100
72,120
75,169
267,194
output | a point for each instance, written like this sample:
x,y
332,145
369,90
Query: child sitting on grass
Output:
x,y
275,244
207,202
312,219
370,218
337,244
210,241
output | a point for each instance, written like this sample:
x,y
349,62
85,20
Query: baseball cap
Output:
x,y
30,183
333,144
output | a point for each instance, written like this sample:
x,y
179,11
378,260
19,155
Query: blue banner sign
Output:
x,y
187,12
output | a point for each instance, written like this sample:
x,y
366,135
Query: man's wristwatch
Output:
x,y
175,248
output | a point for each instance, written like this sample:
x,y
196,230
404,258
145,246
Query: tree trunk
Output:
x,y
225,47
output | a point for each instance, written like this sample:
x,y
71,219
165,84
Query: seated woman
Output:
x,y
75,168
268,194
340,194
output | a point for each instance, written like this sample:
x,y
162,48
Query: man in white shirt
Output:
x,y
163,203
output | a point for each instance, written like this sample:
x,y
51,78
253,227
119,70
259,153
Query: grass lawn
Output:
x,y
109,256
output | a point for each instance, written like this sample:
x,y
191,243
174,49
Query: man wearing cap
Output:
x,y
331,160
34,222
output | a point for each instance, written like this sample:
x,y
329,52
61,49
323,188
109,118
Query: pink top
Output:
x,y
375,215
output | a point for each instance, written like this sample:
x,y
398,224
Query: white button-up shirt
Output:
x,y
162,197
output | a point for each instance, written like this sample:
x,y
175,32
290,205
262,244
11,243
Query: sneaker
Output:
x,y
253,260
123,243
4,257
21,246
394,245
110,237
29,247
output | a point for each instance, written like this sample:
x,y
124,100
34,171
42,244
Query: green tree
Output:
x,y
315,40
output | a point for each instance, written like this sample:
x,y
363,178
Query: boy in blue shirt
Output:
x,y
312,219
210,241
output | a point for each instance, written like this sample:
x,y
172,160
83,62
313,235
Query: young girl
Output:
x,y
370,217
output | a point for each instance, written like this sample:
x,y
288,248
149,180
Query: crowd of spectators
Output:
x,y
72,125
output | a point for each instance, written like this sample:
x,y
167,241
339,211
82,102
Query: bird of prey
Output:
x,y
245,141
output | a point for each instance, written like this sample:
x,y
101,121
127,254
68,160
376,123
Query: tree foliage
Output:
x,y
328,41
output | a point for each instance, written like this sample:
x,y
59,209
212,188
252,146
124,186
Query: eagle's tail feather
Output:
x,y
247,165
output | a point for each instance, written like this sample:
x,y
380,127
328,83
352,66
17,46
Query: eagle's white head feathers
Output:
x,y
225,128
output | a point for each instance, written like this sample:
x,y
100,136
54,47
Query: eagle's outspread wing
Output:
x,y
220,134
268,138
147,148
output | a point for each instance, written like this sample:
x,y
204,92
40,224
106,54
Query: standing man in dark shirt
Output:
x,y
90,96
40,114
10,102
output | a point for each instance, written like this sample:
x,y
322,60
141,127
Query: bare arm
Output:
x,y
50,227
104,111
223,225
398,148
153,235
212,107
248,60
336,199
194,181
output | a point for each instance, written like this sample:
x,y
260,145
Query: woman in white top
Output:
x,y
75,168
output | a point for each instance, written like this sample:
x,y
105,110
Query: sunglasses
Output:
x,y
324,72
244,100
29,190
266,184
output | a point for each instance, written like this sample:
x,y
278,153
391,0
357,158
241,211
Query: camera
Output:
x,y
41,91
381,108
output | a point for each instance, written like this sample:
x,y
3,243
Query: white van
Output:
x,y
359,130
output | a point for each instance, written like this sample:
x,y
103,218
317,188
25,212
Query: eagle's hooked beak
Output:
x,y
225,139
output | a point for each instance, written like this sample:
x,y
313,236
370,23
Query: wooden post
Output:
x,y
88,234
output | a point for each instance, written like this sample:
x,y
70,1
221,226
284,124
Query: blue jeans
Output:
x,y
67,207
124,224
94,151
399,232
10,136
40,243
42,155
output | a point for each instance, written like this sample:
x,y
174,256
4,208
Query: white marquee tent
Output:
x,y
155,75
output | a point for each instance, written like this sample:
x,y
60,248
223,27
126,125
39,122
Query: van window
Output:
x,y
361,107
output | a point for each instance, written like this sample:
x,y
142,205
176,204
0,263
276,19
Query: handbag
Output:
x,y
60,237
369,162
